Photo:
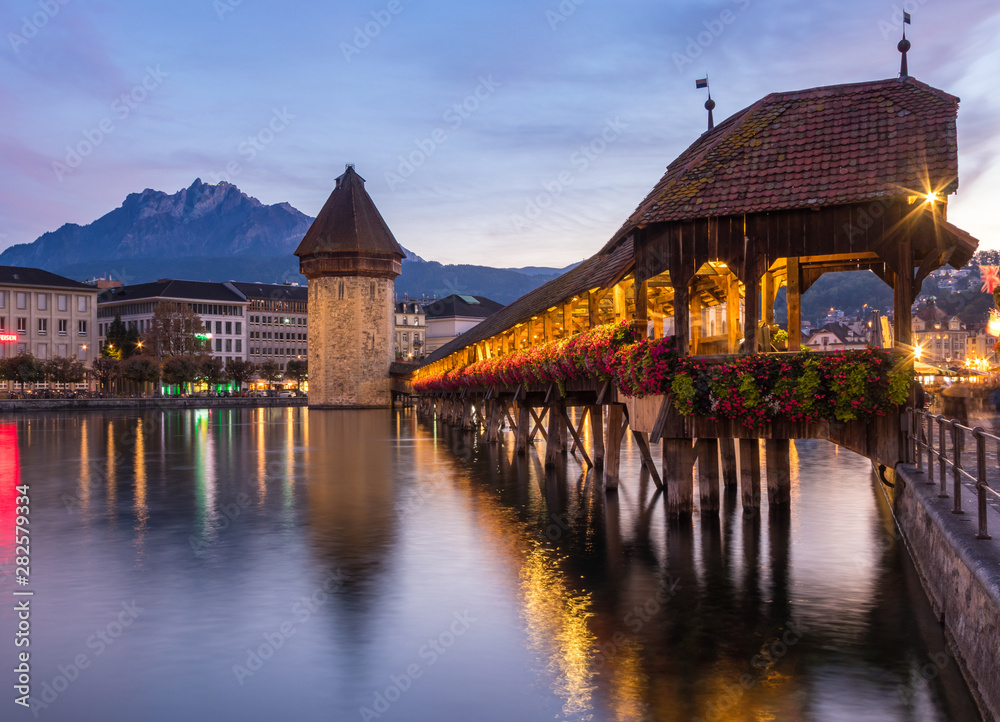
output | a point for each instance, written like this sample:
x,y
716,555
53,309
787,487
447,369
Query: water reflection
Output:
x,y
586,606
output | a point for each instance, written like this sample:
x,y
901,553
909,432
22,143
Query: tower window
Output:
x,y
341,292
373,290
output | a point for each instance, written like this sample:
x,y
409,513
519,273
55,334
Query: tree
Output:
x,y
62,370
240,371
270,372
181,369
297,371
212,370
140,370
172,332
107,371
116,339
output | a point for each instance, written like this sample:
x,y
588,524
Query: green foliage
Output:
x,y
140,369
900,383
63,370
749,391
684,393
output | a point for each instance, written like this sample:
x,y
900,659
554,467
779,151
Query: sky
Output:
x,y
510,133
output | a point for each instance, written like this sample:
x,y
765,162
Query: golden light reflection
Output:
x,y
261,457
140,506
558,629
84,490
111,476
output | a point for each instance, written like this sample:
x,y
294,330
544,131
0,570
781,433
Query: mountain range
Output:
x,y
218,233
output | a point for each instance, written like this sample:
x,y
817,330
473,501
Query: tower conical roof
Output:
x,y
349,223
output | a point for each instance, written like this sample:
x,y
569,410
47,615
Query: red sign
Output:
x,y
8,337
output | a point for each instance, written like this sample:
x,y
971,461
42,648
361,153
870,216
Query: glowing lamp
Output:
x,y
918,352
993,325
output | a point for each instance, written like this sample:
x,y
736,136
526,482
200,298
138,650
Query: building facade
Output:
x,y
351,260
836,337
223,311
277,322
451,316
46,315
943,339
410,331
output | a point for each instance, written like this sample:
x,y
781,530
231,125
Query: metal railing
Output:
x,y
920,438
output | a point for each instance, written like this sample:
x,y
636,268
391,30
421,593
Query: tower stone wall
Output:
x,y
350,341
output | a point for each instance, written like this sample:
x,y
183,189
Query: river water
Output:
x,y
287,564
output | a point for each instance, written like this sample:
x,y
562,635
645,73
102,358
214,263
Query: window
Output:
x,y
22,325
340,293
43,326
239,346
81,304
42,351
218,326
3,299
22,300
81,352
42,299
218,345
229,327
3,322
239,328
62,302
62,350
406,337
373,290
229,345
81,327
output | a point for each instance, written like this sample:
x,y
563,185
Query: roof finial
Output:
x,y
709,104
903,46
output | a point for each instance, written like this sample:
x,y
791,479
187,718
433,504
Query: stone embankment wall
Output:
x,y
961,575
167,404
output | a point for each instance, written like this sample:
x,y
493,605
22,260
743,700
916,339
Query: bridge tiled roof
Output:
x,y
825,146
602,270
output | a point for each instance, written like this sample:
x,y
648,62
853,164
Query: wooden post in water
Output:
x,y
779,472
613,446
793,282
708,474
678,476
727,447
597,433
750,475
553,445
523,424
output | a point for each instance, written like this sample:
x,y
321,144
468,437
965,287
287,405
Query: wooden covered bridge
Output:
x,y
798,184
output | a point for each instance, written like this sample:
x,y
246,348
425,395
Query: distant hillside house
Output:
x,y
453,315
943,338
45,315
835,337
410,330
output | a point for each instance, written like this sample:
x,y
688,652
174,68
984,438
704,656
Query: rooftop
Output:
x,y
463,306
171,289
21,276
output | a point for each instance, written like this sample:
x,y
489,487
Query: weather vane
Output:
x,y
709,104
903,46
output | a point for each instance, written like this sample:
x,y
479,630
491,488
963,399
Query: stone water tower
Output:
x,y
351,260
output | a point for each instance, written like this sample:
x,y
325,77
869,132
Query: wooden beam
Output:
x,y
597,434
751,304
767,298
647,457
708,475
903,321
552,447
727,453
594,308
779,474
661,418
579,429
794,297
523,421
538,425
613,446
678,475
618,299
641,316
733,314
696,329
576,436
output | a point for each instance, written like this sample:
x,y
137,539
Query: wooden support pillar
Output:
x,y
751,304
695,322
641,320
569,327
779,472
750,475
597,434
547,326
678,476
594,308
733,314
613,446
523,424
682,316
727,451
767,298
793,294
554,445
903,288
618,298
708,475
